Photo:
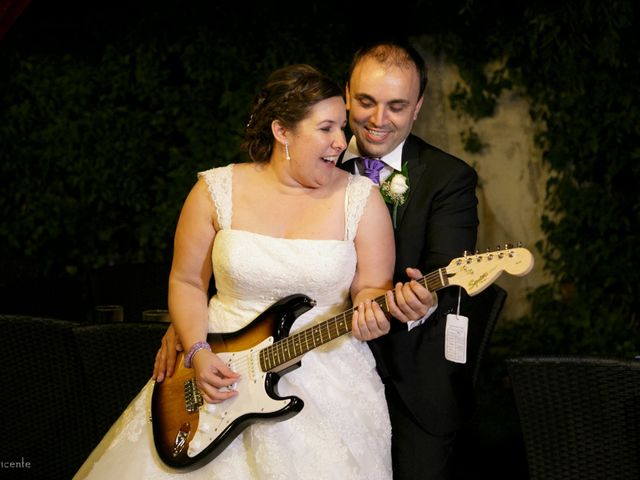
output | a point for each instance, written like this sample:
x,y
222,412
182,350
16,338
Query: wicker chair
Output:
x,y
118,360
45,417
580,416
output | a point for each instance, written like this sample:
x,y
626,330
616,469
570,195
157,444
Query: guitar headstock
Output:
x,y
475,272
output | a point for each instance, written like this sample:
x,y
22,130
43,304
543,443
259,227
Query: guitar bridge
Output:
x,y
192,396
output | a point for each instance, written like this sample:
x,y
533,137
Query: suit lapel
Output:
x,y
415,168
349,166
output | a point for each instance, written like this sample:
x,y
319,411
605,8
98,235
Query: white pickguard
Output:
x,y
252,397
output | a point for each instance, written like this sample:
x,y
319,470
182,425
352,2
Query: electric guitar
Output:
x,y
189,432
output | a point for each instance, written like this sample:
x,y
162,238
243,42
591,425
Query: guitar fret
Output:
x,y
443,280
281,356
306,340
264,360
343,324
296,345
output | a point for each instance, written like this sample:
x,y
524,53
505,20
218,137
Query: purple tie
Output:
x,y
372,167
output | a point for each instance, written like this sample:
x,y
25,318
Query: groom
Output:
x,y
428,396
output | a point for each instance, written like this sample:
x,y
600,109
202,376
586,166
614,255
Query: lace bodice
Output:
x,y
252,271
219,183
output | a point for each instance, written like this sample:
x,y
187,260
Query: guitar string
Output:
x,y
270,356
304,341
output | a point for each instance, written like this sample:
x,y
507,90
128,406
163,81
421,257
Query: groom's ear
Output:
x,y
418,107
347,96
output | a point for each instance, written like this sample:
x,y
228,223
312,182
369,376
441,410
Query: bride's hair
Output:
x,y
287,96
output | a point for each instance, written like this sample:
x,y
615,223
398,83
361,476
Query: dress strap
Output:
x,y
358,189
218,182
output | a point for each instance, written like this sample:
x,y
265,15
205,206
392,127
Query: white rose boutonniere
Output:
x,y
395,190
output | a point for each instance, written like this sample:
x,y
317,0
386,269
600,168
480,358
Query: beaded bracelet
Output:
x,y
196,347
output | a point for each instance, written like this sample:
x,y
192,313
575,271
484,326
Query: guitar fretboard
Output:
x,y
289,349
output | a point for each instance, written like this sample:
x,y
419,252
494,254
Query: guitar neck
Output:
x,y
290,349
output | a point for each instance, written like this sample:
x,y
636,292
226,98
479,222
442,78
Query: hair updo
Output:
x,y
287,96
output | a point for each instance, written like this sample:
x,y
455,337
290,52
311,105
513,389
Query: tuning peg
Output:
x,y
508,246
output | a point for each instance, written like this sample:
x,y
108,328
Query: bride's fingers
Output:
x,y
215,395
216,389
378,322
369,321
359,326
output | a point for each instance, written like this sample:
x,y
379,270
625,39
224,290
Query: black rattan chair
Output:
x,y
45,418
580,416
118,360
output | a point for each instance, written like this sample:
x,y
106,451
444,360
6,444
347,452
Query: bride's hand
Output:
x,y
215,380
369,321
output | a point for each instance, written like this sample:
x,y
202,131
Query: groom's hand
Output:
x,y
411,301
165,363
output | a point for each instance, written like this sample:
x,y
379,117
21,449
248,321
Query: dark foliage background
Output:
x,y
107,111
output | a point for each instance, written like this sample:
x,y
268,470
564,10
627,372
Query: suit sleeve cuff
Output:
x,y
411,324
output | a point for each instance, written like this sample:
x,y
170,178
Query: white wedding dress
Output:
x,y
343,431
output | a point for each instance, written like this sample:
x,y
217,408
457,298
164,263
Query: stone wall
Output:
x,y
511,176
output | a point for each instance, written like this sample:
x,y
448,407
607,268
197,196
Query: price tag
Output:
x,y
455,338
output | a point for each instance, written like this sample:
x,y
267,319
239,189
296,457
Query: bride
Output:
x,y
288,222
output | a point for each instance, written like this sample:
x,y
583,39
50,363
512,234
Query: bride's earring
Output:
x,y
286,150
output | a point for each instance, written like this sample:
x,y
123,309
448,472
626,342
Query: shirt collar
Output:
x,y
393,159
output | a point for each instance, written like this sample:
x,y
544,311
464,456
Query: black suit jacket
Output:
x,y
438,222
